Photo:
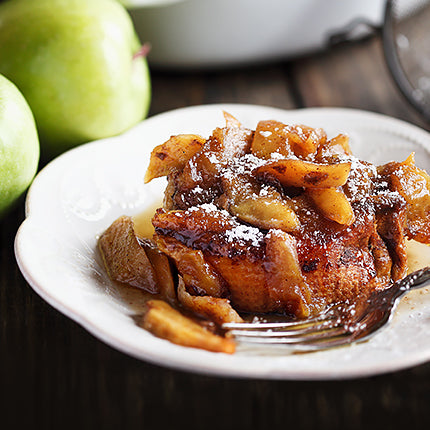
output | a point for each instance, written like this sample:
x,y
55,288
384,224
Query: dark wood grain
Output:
x,y
259,85
353,76
55,375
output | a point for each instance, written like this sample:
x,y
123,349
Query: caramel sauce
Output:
x,y
418,255
142,221
134,298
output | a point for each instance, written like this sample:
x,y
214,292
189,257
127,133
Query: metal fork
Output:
x,y
337,326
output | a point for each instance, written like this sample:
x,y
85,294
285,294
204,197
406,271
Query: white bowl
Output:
x,y
214,33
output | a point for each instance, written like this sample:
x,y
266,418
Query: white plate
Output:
x,y
79,194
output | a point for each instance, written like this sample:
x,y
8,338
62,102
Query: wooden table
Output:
x,y
53,374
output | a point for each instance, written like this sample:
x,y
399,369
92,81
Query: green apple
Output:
x,y
77,63
19,144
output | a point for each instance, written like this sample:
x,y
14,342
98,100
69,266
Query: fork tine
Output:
x,y
273,330
256,326
287,336
317,337
326,316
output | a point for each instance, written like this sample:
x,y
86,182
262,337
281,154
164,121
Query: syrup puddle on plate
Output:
x,y
418,255
142,221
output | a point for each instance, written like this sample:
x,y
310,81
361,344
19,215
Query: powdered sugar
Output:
x,y
265,133
244,233
242,165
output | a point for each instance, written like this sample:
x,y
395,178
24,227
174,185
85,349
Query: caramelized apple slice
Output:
x,y
215,309
163,271
285,280
413,184
262,207
124,258
192,266
231,121
333,204
298,173
166,322
266,213
270,137
305,140
339,145
229,142
172,155
275,137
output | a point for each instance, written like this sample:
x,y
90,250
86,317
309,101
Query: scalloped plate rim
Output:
x,y
203,361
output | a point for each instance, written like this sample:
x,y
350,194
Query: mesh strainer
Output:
x,y
406,40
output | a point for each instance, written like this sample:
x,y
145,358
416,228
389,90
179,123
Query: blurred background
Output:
x,y
319,50
286,54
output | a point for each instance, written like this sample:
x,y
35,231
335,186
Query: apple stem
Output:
x,y
143,51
